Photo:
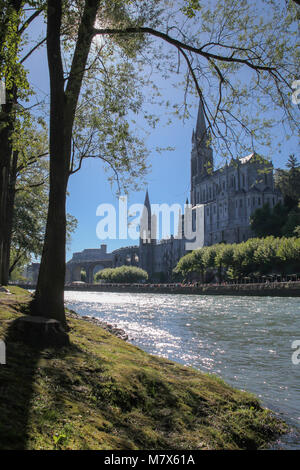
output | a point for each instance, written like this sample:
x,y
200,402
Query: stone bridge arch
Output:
x,y
73,270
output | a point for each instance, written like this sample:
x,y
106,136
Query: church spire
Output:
x,y
145,223
147,202
201,131
202,163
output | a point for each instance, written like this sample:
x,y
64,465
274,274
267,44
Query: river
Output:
x,y
245,340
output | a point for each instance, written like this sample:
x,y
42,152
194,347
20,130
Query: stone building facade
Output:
x,y
230,194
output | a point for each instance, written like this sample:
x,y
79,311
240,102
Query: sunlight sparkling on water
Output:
x,y
245,340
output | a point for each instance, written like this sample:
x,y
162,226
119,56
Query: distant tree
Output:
x,y
191,264
297,231
292,224
266,255
243,257
288,181
15,17
122,274
30,211
226,256
289,254
188,264
283,218
267,221
256,256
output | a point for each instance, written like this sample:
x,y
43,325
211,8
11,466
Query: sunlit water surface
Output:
x,y
245,340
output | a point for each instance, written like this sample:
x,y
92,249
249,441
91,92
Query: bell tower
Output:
x,y
202,154
147,231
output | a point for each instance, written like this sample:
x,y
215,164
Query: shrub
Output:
x,y
123,274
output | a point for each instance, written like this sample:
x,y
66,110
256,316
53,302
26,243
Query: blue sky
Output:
x,y
169,178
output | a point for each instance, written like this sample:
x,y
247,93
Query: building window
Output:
x,y
241,202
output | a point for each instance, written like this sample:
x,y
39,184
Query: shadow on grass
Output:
x,y
18,389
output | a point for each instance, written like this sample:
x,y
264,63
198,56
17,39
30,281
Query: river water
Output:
x,y
245,340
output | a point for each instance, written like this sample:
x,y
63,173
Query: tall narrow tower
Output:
x,y
145,224
147,238
202,155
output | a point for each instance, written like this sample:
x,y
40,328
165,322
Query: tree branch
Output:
x,y
181,45
32,50
82,157
31,161
29,186
29,20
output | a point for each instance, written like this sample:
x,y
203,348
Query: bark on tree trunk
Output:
x,y
5,164
7,126
49,297
10,213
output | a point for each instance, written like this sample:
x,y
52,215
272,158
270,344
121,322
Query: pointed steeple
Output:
x,y
201,131
193,136
145,223
202,162
147,202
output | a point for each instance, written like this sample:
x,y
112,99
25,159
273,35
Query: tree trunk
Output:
x,y
10,213
5,164
49,297
12,8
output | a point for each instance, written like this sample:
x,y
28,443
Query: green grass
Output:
x,y
104,393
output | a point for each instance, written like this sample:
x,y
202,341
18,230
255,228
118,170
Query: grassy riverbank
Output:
x,y
104,393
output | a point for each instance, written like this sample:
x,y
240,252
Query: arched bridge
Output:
x,y
91,261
